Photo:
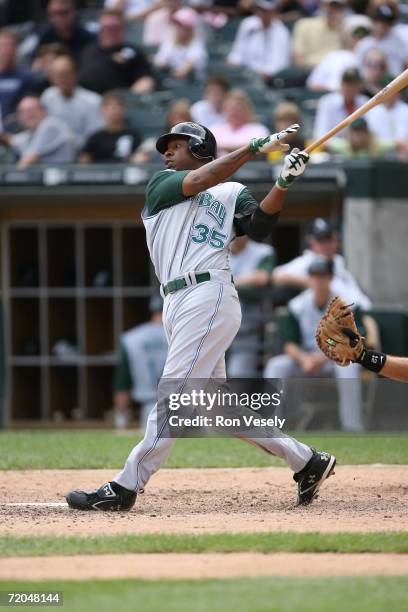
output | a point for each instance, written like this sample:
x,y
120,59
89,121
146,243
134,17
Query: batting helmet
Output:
x,y
201,141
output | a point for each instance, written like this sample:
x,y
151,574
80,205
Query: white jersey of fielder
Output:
x,y
186,234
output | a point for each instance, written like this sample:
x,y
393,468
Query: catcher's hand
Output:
x,y
337,334
273,142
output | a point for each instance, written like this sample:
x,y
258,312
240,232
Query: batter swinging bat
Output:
x,y
400,82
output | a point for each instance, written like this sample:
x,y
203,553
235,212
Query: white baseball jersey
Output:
x,y
187,234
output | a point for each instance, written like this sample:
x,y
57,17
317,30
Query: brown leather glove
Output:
x,y
337,334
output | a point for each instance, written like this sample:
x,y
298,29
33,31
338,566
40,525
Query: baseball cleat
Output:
x,y
311,478
110,496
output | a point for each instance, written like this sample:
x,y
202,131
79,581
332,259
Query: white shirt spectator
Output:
x,y
158,27
330,111
389,123
52,142
327,74
392,45
81,112
174,56
266,51
401,30
343,283
204,112
133,8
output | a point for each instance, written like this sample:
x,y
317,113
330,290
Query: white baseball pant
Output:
x,y
200,323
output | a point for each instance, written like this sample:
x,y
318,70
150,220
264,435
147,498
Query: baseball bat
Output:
x,y
400,82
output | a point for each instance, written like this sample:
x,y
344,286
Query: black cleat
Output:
x,y
311,478
110,496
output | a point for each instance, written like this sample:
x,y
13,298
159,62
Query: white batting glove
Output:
x,y
294,165
273,142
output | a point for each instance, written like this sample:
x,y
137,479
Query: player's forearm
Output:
x,y
216,171
293,350
396,368
256,278
272,203
294,280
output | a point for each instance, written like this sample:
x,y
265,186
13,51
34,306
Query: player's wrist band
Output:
x,y
372,360
282,184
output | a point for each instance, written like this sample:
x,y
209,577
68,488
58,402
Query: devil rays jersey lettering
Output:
x,y
192,233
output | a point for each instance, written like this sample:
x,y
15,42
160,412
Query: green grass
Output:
x,y
390,542
361,594
107,449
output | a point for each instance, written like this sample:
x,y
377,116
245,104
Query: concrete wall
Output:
x,y
375,242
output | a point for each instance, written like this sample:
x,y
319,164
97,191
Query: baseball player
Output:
x,y
142,356
192,213
251,264
339,339
301,357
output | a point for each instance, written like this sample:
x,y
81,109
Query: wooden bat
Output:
x,y
400,82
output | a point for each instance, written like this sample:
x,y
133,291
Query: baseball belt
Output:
x,y
194,278
181,282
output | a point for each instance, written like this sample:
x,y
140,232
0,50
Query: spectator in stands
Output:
x,y
322,240
185,55
158,25
44,140
373,70
262,42
209,110
326,76
133,10
334,107
251,265
14,81
239,124
42,63
115,141
179,112
63,27
302,358
286,114
79,108
110,63
360,143
389,122
226,7
292,10
385,38
314,37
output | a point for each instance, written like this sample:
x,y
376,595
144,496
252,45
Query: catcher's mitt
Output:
x,y
337,334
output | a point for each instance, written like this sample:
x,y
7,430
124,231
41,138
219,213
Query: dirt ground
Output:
x,y
357,498
204,565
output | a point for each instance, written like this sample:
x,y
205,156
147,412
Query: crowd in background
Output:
x,y
72,87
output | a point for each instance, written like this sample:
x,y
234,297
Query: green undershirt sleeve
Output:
x,y
165,189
